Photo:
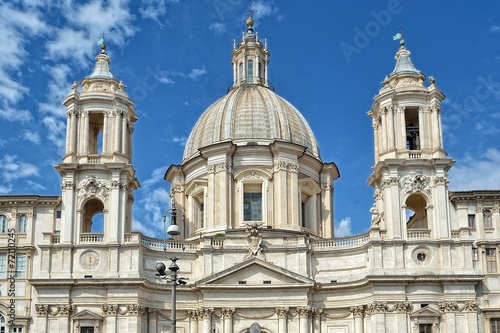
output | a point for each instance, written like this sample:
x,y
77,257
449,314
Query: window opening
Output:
x,y
250,71
23,222
472,221
93,217
3,224
252,202
416,212
495,325
491,260
412,129
488,223
425,328
21,266
86,330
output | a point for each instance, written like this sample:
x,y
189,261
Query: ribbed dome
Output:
x,y
251,112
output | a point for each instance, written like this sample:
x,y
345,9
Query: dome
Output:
x,y
251,112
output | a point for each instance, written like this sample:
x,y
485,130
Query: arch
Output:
x,y
417,204
92,209
3,323
255,328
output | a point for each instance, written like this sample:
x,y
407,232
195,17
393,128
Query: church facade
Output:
x,y
254,203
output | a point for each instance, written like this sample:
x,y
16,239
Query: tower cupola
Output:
x,y
250,59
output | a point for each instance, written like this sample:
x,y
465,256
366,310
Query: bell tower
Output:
x,y
410,176
98,180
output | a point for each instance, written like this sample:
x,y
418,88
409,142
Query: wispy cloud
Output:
x,y
343,228
180,140
30,136
218,27
265,9
153,10
13,169
196,73
478,171
495,28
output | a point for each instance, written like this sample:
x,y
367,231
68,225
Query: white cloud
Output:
x,y
36,187
263,9
495,28
180,140
5,188
218,27
153,9
155,177
196,73
13,169
33,137
12,114
56,132
477,172
343,228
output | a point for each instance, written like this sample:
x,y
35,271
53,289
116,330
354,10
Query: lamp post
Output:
x,y
173,230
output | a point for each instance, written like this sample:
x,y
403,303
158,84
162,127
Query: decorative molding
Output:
x,y
402,307
357,311
54,310
304,311
470,306
92,186
377,307
41,309
206,313
415,182
98,87
193,314
448,306
283,312
227,313
254,239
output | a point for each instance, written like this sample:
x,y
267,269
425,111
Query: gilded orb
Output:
x,y
250,22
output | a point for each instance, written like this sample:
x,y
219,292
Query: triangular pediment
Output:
x,y
426,312
86,314
255,272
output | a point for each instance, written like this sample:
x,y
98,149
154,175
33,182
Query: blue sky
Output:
x,y
327,58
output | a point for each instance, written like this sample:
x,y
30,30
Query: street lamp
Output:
x,y
173,230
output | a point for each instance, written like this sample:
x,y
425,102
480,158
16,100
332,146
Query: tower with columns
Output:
x,y
410,175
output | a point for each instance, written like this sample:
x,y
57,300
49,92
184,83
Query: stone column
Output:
x,y
293,194
86,134
105,134
227,317
125,134
74,131
390,127
282,319
448,309
316,320
304,313
206,314
153,320
118,131
377,311
68,132
193,321
357,313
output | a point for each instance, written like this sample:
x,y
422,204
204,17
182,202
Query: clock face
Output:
x,y
89,260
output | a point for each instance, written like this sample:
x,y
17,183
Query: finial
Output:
x,y
234,44
399,36
265,43
432,80
250,11
101,43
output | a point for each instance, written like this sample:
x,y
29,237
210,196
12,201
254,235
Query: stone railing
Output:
x,y
342,242
91,238
418,233
95,159
160,244
414,156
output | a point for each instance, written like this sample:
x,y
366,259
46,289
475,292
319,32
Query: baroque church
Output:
x,y
254,214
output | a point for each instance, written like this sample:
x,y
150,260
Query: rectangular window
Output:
x,y
17,329
491,261
21,266
86,330
425,328
58,214
487,218
472,221
3,266
495,325
252,206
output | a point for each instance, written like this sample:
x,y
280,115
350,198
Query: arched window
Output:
x,y
23,223
488,223
416,212
2,323
93,217
3,224
250,71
